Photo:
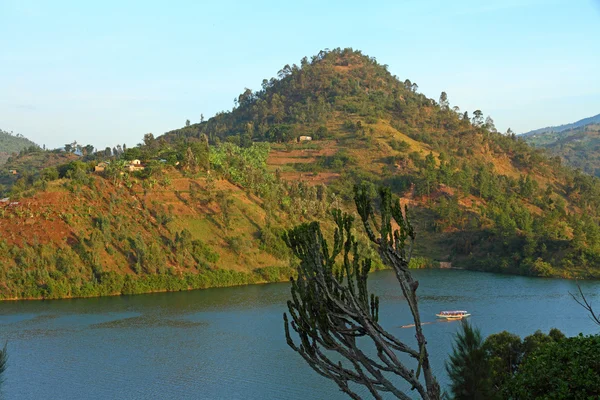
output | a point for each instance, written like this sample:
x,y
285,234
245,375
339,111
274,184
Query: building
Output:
x,y
12,171
100,167
134,165
304,138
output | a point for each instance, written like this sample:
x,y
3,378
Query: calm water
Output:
x,y
229,343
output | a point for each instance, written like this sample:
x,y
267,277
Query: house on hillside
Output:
x,y
134,165
304,138
12,171
100,167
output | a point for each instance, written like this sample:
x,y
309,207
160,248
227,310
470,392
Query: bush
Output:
x,y
420,263
567,369
321,133
399,145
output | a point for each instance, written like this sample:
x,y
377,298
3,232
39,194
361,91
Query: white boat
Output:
x,y
457,314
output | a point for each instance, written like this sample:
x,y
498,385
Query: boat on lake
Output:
x,y
457,314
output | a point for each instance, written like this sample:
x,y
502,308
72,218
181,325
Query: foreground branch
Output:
x,y
583,302
331,308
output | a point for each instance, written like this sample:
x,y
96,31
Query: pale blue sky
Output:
x,y
107,72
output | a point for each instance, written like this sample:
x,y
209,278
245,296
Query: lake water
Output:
x,y
229,343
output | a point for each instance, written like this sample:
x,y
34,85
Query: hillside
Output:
x,y
29,165
213,198
10,144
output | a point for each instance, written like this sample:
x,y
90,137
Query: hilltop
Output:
x,y
214,197
10,143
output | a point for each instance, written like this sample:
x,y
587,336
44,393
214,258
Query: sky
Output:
x,y
108,72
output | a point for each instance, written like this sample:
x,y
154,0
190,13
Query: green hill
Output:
x,y
10,144
212,200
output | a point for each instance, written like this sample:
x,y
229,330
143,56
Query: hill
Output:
x,y
577,144
10,144
551,134
28,165
213,198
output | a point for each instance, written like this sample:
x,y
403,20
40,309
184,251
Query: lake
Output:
x,y
229,343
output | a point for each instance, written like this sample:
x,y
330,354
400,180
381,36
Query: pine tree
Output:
x,y
468,367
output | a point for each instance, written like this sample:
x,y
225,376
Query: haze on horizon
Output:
x,y
106,73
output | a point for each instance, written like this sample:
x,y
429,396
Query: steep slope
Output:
x,y
10,144
213,198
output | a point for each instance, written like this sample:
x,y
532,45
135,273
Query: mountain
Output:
x,y
10,144
209,207
551,134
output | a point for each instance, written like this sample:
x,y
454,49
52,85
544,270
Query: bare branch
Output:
x,y
583,302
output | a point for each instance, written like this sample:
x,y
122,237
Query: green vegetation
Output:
x,y
112,251
541,366
468,367
565,369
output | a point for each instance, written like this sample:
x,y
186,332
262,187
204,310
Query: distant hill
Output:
x,y
10,143
551,134
29,164
577,144
213,199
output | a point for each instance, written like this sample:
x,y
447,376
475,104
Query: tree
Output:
x,y
489,124
187,122
444,103
191,163
331,307
149,140
430,173
504,351
468,366
225,205
567,369
477,118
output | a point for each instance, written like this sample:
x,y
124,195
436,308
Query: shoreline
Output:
x,y
246,279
